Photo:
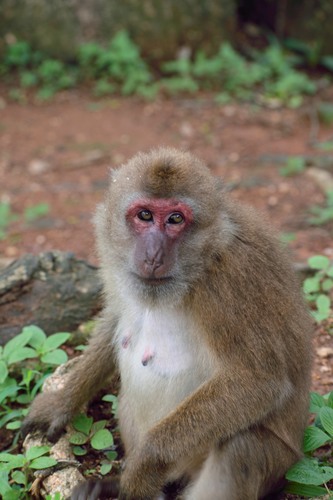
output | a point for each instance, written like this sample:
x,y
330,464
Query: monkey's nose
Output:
x,y
153,263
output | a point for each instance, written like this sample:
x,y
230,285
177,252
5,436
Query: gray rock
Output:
x,y
53,290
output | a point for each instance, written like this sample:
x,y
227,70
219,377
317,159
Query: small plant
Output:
x,y
287,237
36,211
29,215
52,76
324,214
16,471
18,55
6,217
295,165
325,113
325,146
307,476
116,67
97,436
19,384
318,288
119,68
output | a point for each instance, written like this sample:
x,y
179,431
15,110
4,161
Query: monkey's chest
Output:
x,y
160,364
158,345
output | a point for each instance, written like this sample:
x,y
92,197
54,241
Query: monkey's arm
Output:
x,y
51,412
230,402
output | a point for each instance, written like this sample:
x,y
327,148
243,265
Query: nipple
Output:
x,y
125,341
147,356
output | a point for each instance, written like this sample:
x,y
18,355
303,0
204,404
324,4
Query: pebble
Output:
x,y
325,352
38,166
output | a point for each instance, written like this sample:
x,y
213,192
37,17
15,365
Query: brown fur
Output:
x,y
240,427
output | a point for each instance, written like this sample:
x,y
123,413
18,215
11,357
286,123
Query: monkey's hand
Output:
x,y
144,475
49,415
95,490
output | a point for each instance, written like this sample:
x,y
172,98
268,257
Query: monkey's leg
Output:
x,y
248,467
51,412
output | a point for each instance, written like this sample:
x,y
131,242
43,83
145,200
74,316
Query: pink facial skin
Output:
x,y
158,225
161,209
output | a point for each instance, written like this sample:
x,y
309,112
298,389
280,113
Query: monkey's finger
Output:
x,y
56,429
30,426
94,490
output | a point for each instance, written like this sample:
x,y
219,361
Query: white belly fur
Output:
x,y
160,362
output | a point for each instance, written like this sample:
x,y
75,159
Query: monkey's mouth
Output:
x,y
152,280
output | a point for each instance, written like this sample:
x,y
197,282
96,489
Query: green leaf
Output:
x,y
319,262
105,468
110,398
78,438
311,285
43,463
314,438
320,316
308,471
305,490
8,392
79,451
97,426
82,423
55,341
330,400
15,461
323,303
10,416
325,146
24,399
287,237
37,338
57,357
36,451
13,426
36,211
102,439
16,343
295,165
21,354
330,272
13,494
316,402
4,483
327,284
3,371
326,418
7,457
19,477
111,455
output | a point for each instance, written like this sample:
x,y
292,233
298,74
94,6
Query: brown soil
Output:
x,y
61,152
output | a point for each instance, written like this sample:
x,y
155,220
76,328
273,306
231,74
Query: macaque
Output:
x,y
204,318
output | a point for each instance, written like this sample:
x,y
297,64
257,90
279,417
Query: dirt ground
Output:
x,y
61,152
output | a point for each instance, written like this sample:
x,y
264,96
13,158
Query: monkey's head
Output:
x,y
155,229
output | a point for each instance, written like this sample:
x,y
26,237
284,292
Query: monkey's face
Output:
x,y
156,228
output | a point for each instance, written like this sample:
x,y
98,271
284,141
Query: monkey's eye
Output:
x,y
145,215
175,218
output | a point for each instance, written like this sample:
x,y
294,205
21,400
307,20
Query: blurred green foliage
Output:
x,y
118,68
